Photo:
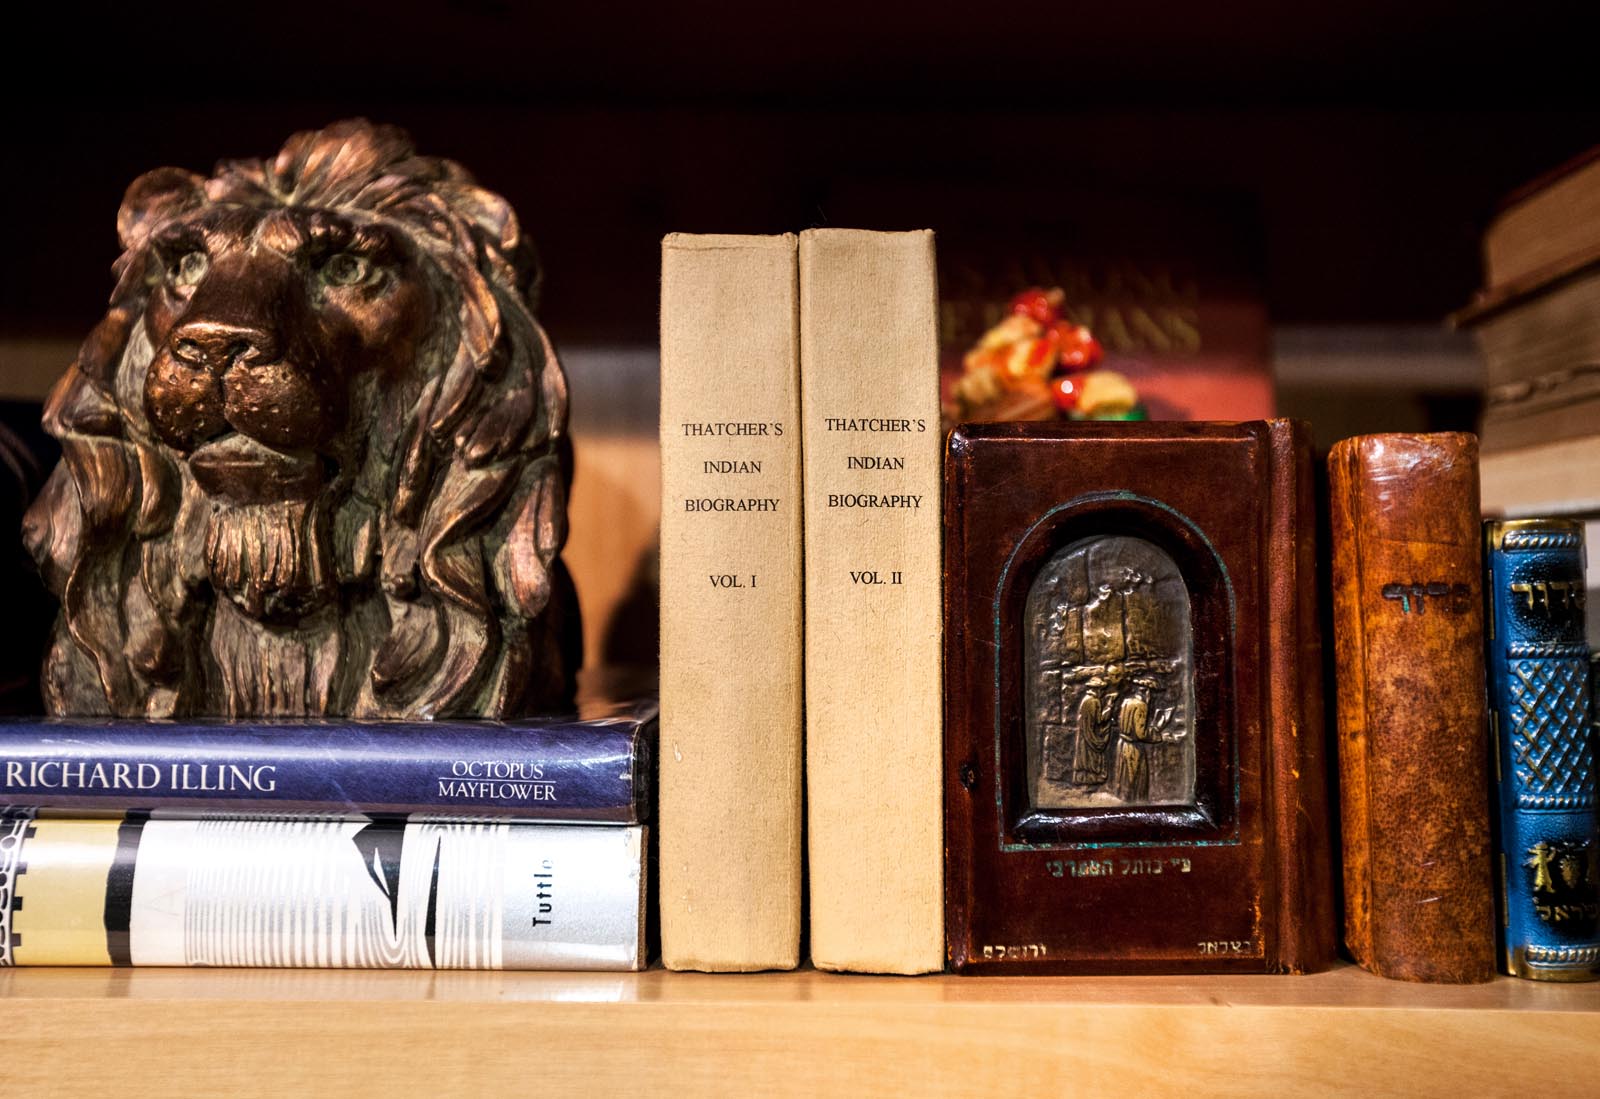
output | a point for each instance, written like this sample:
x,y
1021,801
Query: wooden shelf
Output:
x,y
277,1033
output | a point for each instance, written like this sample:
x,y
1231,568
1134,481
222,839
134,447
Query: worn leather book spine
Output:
x,y
1135,772
870,393
731,719
1548,850
1307,936
1413,749
297,893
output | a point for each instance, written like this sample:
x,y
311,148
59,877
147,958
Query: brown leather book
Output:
x,y
1134,759
1413,753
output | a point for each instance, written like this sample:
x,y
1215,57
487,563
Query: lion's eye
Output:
x,y
346,269
190,268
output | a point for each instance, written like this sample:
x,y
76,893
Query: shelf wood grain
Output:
x,y
272,1033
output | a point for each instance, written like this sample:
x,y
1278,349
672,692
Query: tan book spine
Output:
x,y
731,717
870,394
1413,753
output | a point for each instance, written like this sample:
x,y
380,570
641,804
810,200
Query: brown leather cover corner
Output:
x,y
1239,881
1413,754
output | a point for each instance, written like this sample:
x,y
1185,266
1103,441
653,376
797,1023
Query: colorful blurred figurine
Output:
x,y
1035,365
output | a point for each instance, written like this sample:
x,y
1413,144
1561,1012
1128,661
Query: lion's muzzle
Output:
x,y
247,350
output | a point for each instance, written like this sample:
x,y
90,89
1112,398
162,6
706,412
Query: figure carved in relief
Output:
x,y
313,457
1110,684
1137,732
1089,749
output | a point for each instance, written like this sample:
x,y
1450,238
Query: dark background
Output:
x,y
1372,141
1375,139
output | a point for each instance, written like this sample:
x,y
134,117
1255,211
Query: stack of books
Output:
x,y
466,845
1537,322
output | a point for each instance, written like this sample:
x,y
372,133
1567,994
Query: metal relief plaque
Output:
x,y
1109,678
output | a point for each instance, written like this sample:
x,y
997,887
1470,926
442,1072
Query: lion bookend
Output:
x,y
313,457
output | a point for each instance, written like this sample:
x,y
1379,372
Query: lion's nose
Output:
x,y
215,346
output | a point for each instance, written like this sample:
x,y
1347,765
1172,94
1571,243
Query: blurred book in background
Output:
x,y
1537,324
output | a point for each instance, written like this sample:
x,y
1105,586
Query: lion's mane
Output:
x,y
445,537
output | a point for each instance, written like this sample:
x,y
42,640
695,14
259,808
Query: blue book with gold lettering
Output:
x,y
595,768
1539,700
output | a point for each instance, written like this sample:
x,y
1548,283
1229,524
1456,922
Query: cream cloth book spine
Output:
x,y
869,380
731,718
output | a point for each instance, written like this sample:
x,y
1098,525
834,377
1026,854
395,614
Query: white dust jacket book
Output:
x,y
292,892
731,717
869,370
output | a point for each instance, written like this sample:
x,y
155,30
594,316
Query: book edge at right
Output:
x,y
1307,936
1350,688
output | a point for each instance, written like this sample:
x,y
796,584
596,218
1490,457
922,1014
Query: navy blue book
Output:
x,y
1538,678
596,768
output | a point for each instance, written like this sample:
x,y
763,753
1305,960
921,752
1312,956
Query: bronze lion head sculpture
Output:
x,y
313,457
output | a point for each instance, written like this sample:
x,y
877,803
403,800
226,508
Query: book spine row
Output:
x,y
594,773
754,330
1539,696
342,894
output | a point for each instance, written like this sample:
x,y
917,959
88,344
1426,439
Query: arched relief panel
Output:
x,y
1114,695
1109,678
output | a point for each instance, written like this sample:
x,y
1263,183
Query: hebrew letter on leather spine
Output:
x,y
1412,746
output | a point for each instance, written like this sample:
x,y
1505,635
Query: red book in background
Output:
x,y
1170,285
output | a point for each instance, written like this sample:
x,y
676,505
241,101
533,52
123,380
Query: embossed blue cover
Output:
x,y
595,769
1538,668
